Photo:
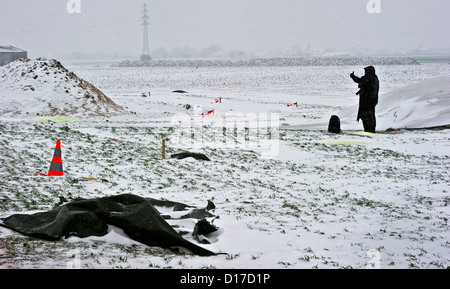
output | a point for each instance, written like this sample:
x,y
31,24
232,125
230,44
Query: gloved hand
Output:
x,y
352,74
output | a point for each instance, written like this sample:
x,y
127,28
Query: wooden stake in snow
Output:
x,y
163,148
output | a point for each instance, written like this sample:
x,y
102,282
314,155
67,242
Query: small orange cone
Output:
x,y
56,168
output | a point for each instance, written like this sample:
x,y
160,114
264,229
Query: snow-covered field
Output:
x,y
286,196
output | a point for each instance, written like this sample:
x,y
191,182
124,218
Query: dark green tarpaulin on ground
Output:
x,y
135,215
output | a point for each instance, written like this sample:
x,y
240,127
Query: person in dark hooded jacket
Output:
x,y
368,97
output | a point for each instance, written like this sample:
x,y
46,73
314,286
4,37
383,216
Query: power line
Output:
x,y
88,26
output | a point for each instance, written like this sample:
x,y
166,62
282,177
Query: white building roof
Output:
x,y
10,49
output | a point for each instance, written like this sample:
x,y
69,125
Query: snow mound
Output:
x,y
425,104
46,88
421,105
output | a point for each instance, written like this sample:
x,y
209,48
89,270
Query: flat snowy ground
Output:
x,y
285,198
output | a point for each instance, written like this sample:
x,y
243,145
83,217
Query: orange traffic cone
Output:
x,y
56,168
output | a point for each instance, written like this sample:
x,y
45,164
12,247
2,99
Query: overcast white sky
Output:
x,y
45,28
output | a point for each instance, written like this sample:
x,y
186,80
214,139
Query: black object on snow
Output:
x,y
203,227
334,126
135,215
184,155
169,204
210,206
197,214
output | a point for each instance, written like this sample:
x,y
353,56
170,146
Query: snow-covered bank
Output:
x,y
424,104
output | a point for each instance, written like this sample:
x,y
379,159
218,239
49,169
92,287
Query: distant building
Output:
x,y
10,53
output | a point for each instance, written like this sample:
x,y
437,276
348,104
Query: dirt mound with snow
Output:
x,y
42,87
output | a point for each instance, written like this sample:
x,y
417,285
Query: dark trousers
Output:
x,y
368,119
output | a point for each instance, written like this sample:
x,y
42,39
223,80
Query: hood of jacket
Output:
x,y
370,69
